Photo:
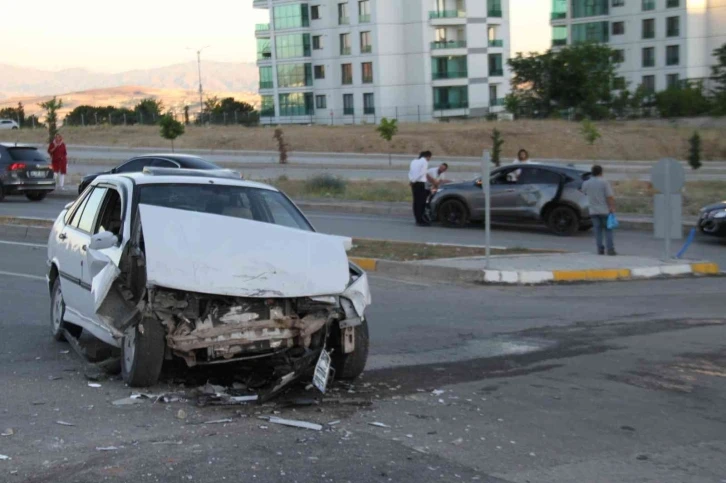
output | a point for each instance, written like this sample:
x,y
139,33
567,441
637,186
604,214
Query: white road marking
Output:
x,y
23,244
22,275
396,280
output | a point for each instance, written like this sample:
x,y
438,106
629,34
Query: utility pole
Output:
x,y
201,98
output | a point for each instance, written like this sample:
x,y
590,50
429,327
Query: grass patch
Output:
x,y
637,196
331,187
406,251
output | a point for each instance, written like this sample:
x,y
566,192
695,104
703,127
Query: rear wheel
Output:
x,y
36,195
453,213
563,221
350,366
143,353
57,312
2,192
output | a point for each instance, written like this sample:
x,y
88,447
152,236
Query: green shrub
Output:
x,y
326,185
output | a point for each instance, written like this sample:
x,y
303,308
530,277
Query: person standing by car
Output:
x,y
522,158
418,176
59,159
434,174
602,203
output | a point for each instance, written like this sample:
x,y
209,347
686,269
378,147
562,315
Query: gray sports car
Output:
x,y
534,193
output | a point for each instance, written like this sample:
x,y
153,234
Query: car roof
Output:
x,y
554,167
17,145
174,156
148,179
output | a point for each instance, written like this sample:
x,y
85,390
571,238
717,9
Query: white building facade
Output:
x,y
356,61
659,42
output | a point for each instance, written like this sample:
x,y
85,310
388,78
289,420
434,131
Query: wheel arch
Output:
x,y
53,274
454,197
550,205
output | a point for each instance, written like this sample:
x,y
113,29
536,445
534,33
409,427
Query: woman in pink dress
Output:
x,y
59,159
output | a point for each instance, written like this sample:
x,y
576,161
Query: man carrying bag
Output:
x,y
602,210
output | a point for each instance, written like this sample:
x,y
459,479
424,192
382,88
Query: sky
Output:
x,y
141,34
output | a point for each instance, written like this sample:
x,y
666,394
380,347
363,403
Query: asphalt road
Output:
x,y
599,383
403,229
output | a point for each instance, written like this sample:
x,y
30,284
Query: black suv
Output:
x,y
24,170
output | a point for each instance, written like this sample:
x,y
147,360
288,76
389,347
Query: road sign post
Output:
x,y
486,166
668,179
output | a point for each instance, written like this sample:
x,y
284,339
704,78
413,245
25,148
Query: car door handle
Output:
x,y
62,236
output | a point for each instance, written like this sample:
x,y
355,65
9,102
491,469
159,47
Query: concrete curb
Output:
x,y
503,277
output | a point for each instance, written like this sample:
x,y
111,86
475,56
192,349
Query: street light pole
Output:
x,y
201,98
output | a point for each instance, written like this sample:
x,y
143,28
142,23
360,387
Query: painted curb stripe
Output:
x,y
367,264
580,275
705,268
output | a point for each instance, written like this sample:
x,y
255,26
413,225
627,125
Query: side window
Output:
x,y
538,176
135,165
164,163
90,210
78,207
502,177
280,213
110,216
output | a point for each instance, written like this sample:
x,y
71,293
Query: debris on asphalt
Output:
x,y
438,392
64,352
213,395
55,378
458,442
4,457
8,432
107,448
218,421
333,423
181,414
94,385
63,423
177,443
127,401
379,425
38,403
296,424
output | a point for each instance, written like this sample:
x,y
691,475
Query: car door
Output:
x,y
536,186
503,193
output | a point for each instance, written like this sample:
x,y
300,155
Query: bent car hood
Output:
x,y
220,255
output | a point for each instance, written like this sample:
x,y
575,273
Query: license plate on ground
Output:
x,y
322,372
37,174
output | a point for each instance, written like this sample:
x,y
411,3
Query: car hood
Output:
x,y
716,206
220,255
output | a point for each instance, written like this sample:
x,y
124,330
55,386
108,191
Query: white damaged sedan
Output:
x,y
208,268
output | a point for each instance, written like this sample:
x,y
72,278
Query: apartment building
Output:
x,y
355,61
659,42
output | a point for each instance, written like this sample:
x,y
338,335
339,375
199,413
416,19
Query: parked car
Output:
x,y
532,193
24,171
137,164
206,268
8,124
712,220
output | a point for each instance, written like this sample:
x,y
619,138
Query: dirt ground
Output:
x,y
630,140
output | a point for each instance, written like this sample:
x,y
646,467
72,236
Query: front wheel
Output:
x,y
563,221
36,195
350,366
453,213
143,353
58,326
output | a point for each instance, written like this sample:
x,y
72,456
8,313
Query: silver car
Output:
x,y
530,193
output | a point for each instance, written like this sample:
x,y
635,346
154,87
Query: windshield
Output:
x,y
256,204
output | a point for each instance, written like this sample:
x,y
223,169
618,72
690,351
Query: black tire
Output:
x,y
563,220
57,312
453,213
36,195
350,366
143,348
2,192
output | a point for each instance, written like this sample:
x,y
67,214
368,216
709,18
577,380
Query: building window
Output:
x,y
348,108
673,3
649,57
649,83
494,8
294,75
493,96
367,72
346,74
673,81
591,32
451,97
296,104
266,77
267,106
559,36
365,43
453,67
673,55
364,11
321,102
673,26
344,44
649,28
369,105
315,12
618,28
290,46
618,3
264,50
619,83
590,8
648,5
320,72
559,9
496,65
291,16
619,56
343,18
318,42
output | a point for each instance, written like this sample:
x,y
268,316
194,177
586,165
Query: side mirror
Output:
x,y
103,240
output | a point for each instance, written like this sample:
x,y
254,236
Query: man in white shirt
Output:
x,y
417,177
435,174
522,158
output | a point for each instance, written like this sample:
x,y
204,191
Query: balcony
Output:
x,y
496,43
449,75
366,49
494,13
445,106
265,85
559,42
366,18
262,27
497,102
343,21
448,44
496,73
558,16
442,14
345,51
348,111
369,110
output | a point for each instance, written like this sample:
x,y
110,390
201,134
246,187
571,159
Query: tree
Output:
x,y
211,105
497,143
20,114
149,110
718,76
281,145
685,100
387,129
51,109
590,132
15,113
171,129
186,115
694,151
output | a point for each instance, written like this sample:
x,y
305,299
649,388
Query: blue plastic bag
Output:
x,y
612,222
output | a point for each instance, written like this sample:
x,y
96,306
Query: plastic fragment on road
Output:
x,y
181,414
94,385
4,457
8,432
379,425
296,424
106,448
64,423
218,421
438,392
127,401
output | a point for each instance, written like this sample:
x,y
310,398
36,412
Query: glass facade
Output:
x,y
292,16
291,46
451,97
267,106
590,32
453,67
294,75
266,77
589,8
296,104
496,65
559,9
264,49
559,36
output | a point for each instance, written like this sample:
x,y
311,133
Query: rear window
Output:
x,y
233,201
26,154
196,163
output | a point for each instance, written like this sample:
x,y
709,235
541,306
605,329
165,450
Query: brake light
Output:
x,y
16,166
